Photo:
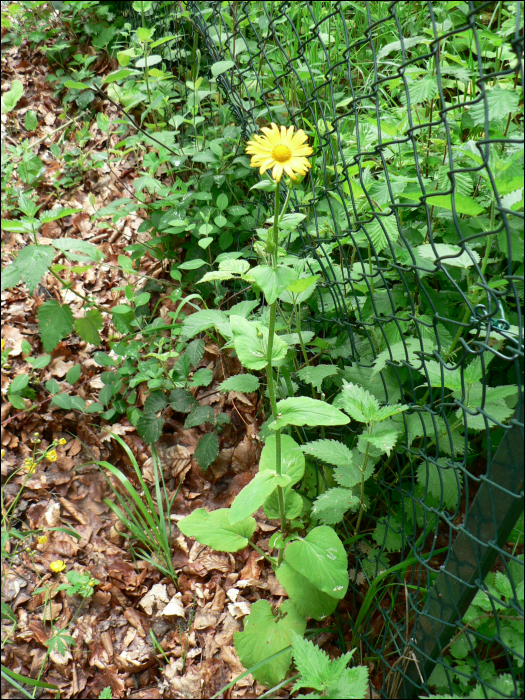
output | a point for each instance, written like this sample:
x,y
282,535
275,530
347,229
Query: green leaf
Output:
x,y
207,450
192,264
358,403
447,254
88,327
353,683
315,666
252,497
293,504
155,402
39,362
55,322
149,427
301,285
199,415
308,600
202,377
330,452
462,204
215,276
383,436
315,375
201,321
388,534
103,359
251,343
182,401
11,97
305,411
30,266
273,282
330,507
222,201
321,558
58,213
266,633
17,402
195,352
292,459
245,383
221,67
73,374
441,482
215,530
500,103
76,85
19,383
236,267
62,401
67,245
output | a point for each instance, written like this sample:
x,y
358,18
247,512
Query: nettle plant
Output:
x,y
310,561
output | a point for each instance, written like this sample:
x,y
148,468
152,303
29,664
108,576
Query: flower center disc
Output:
x,y
281,153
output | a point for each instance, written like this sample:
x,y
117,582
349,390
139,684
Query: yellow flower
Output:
x,y
62,441
3,453
30,465
52,456
280,150
42,539
3,343
57,566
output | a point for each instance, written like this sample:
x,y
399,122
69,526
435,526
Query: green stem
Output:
x,y
269,373
362,494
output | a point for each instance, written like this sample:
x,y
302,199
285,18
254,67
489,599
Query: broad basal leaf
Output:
x,y
305,411
252,497
265,633
292,459
321,558
308,600
55,322
273,282
215,530
251,343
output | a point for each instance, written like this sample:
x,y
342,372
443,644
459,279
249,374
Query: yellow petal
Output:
x,y
299,138
277,172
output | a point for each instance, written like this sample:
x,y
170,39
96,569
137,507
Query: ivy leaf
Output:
x,y
88,327
273,282
308,600
329,508
321,558
207,450
55,322
266,633
215,530
315,375
245,383
252,497
305,411
251,343
30,266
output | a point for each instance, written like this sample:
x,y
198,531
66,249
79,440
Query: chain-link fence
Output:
x,y
415,217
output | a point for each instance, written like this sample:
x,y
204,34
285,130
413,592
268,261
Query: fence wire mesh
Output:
x,y
415,218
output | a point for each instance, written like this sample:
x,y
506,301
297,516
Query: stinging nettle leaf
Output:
x,y
30,266
358,403
55,322
329,508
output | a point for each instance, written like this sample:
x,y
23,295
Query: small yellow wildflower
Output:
x,y
30,465
3,343
281,150
42,539
57,566
3,453
62,441
52,456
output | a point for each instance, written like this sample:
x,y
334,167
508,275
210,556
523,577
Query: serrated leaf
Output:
x,y
57,213
67,245
442,483
149,427
155,402
30,266
252,497
207,450
353,683
388,534
383,436
251,343
315,666
315,375
358,403
447,254
330,452
195,351
215,530
88,327
305,411
201,321
55,322
235,267
308,600
499,104
215,276
199,415
321,558
245,383
330,507
273,282
182,401
202,377
264,635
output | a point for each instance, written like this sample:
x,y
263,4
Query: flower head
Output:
x,y
52,456
30,465
3,343
281,150
57,566
3,453
42,539
62,441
